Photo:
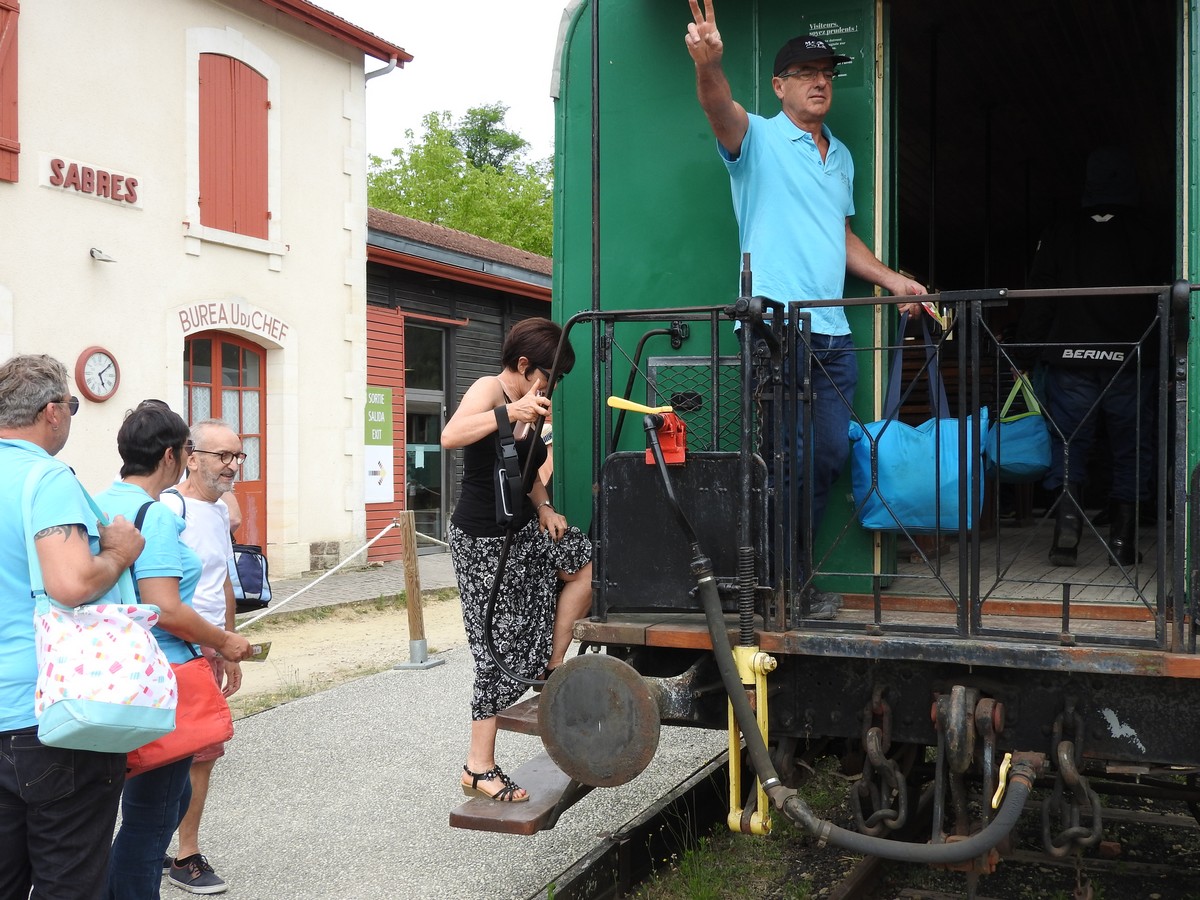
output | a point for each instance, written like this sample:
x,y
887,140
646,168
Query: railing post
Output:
x,y
418,653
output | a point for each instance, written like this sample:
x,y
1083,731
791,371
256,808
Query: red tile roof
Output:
x,y
443,238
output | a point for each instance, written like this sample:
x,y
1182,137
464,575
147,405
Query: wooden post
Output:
x,y
412,577
418,654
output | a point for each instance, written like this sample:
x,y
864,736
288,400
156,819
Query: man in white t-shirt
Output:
x,y
212,466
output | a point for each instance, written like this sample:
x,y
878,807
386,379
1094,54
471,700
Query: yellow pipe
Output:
x,y
753,666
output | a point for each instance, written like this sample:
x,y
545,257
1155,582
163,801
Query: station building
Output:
x,y
183,216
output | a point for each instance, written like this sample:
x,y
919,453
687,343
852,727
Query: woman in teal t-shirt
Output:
x,y
153,443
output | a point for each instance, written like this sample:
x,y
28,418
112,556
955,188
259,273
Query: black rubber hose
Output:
x,y
786,799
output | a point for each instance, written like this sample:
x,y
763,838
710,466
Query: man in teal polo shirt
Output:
x,y
57,806
793,195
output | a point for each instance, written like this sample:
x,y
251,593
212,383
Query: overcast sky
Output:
x,y
466,53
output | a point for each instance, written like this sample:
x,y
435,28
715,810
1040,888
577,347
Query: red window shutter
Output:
x,y
216,142
233,146
249,151
10,149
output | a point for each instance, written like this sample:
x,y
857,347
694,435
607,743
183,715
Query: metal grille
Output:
x,y
713,417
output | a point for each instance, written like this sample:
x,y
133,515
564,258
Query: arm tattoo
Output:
x,y
64,530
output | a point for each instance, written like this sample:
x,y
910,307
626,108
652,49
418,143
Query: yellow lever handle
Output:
x,y
622,403
1003,780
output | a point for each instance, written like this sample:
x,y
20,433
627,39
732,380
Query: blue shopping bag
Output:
x,y
905,477
1017,449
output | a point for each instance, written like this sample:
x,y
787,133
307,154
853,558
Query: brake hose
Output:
x,y
786,799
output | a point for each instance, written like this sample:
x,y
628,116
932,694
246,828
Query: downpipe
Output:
x,y
1025,766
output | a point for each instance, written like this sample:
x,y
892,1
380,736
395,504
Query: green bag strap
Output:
x,y
1025,387
37,587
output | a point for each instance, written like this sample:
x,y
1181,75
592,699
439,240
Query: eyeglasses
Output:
x,y
546,375
808,73
72,403
189,446
226,456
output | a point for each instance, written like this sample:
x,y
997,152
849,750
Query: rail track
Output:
x,y
1149,850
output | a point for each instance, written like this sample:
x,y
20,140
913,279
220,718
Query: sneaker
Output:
x,y
195,875
168,861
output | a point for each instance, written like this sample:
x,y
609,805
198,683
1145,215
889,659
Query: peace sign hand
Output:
x,y
702,39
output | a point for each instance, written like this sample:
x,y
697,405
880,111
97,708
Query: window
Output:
x,y
10,149
224,378
233,146
423,358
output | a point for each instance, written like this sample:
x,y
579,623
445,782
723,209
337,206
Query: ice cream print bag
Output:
x,y
103,682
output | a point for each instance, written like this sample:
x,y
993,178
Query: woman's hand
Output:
x,y
551,521
532,405
234,647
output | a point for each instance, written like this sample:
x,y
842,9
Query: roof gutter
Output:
x,y
347,32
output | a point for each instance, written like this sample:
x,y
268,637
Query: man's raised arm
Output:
x,y
726,116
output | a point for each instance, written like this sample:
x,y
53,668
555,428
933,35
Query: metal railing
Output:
x,y
979,578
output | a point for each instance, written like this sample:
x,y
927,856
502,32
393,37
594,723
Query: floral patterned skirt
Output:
x,y
523,620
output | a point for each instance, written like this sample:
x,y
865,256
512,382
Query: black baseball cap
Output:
x,y
805,48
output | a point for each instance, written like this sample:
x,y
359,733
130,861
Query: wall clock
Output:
x,y
97,374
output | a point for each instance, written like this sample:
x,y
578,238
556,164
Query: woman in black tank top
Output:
x,y
547,582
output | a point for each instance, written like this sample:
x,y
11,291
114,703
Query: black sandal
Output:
x,y
506,794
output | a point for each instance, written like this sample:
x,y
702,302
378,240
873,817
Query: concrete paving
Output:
x,y
346,794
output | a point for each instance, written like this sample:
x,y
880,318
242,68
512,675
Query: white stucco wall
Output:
x,y
117,91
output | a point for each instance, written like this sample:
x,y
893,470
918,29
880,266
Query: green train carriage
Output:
x,y
969,123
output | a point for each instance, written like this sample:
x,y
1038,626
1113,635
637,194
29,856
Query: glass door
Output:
x,y
424,475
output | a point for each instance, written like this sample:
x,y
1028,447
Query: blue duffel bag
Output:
x,y
906,478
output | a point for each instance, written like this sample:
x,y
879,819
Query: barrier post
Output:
x,y
418,653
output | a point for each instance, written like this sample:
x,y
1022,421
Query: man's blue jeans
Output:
x,y
1075,399
57,811
834,379
151,807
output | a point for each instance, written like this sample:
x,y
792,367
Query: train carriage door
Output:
x,y
224,379
1189,217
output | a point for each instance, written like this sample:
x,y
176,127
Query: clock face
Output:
x,y
97,374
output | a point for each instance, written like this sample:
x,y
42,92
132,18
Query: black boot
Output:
x,y
1068,527
1122,536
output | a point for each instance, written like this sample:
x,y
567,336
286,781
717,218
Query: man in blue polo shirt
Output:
x,y
793,195
57,806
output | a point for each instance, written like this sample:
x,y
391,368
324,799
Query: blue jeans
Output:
x,y
57,811
1075,398
152,805
834,379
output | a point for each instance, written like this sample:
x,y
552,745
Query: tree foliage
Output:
x,y
471,175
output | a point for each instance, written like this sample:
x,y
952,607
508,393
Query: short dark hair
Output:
x,y
144,437
537,339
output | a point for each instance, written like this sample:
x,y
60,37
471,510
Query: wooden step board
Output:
x,y
546,784
520,717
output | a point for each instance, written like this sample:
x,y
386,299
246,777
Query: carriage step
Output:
x,y
520,717
546,784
